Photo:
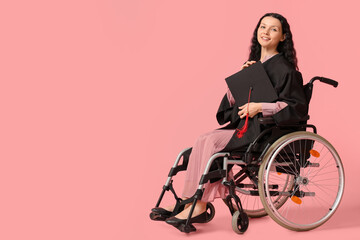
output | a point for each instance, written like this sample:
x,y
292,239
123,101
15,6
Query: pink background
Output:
x,y
97,98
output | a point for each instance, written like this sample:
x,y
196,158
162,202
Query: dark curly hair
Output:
x,y
286,47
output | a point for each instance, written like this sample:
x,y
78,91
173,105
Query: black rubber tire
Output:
x,y
240,222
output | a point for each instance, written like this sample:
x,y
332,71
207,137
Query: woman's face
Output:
x,y
269,33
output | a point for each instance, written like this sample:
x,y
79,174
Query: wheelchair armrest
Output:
x,y
270,120
266,120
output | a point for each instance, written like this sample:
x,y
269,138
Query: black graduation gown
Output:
x,y
288,85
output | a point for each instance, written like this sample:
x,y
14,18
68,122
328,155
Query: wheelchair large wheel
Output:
x,y
317,176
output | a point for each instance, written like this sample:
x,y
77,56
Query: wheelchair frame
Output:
x,y
288,155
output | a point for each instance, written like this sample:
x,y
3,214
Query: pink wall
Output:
x,y
98,97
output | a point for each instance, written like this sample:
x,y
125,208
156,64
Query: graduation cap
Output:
x,y
255,78
251,84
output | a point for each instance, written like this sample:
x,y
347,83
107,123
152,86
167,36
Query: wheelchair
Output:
x,y
288,172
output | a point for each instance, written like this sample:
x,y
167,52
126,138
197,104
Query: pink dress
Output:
x,y
207,145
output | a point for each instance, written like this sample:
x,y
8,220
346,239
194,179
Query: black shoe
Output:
x,y
161,211
159,214
202,218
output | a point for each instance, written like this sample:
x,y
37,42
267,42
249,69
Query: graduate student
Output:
x,y
273,46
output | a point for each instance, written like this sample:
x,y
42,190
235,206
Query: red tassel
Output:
x,y
240,132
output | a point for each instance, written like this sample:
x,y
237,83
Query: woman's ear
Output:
x,y
283,38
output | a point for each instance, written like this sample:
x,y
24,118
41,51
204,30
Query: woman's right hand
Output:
x,y
247,64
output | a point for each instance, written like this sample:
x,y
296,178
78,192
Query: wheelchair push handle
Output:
x,y
325,80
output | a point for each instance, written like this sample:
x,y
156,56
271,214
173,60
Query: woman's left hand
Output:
x,y
254,108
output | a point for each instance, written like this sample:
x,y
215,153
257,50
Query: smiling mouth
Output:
x,y
265,38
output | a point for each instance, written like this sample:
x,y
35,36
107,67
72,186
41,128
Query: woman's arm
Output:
x,y
291,92
267,109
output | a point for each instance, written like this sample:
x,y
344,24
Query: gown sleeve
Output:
x,y
269,109
291,92
227,112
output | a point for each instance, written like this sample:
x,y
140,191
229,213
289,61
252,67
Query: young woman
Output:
x,y
272,44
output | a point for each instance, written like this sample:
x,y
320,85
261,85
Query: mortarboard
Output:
x,y
253,77
251,84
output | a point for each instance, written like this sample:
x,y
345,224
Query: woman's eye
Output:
x,y
262,26
274,29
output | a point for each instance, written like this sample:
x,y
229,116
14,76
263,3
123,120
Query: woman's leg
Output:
x,y
205,146
171,207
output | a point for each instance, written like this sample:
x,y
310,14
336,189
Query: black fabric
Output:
x,y
288,85
254,78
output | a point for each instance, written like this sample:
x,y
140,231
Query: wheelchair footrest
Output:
x,y
158,216
186,228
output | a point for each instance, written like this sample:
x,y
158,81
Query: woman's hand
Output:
x,y
247,64
254,108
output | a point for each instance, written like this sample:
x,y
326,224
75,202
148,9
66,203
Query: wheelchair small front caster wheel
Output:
x,y
210,212
240,222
